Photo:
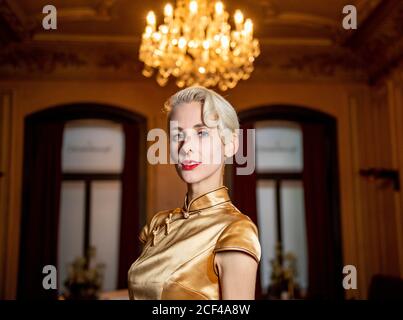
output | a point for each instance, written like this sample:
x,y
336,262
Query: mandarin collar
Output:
x,y
204,201
207,200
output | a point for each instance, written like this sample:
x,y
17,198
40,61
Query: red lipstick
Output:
x,y
189,164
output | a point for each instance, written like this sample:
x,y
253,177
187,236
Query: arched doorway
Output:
x,y
294,198
42,185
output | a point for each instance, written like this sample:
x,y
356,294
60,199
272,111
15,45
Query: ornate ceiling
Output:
x,y
301,40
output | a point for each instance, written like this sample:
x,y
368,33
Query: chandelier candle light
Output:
x,y
196,45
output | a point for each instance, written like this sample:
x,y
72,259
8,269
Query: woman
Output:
x,y
207,249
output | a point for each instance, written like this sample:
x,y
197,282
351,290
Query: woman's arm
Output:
x,y
237,273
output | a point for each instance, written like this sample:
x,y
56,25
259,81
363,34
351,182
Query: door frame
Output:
x,y
84,110
302,114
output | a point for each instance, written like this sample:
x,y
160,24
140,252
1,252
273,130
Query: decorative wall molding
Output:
x,y
379,41
328,64
332,54
30,60
6,101
13,28
36,61
100,12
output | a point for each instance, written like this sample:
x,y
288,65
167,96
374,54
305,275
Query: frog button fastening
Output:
x,y
155,231
167,223
185,214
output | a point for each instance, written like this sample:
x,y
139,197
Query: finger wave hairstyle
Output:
x,y
217,111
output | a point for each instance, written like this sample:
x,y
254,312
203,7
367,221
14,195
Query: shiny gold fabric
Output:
x,y
177,261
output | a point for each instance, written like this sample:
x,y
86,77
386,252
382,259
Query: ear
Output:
x,y
232,146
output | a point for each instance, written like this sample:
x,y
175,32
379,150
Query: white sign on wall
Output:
x,y
93,146
278,146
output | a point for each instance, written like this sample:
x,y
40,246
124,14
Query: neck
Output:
x,y
197,189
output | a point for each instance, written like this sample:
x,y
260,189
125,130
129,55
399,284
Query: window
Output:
x,y
280,196
92,164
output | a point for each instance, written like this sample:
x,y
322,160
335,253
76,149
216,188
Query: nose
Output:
x,y
187,144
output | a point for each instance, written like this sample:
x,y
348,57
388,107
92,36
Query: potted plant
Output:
x,y
283,283
85,278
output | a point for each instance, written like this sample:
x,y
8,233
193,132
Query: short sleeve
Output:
x,y
241,235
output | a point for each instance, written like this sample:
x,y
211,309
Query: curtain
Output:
x,y
40,207
129,243
324,255
244,193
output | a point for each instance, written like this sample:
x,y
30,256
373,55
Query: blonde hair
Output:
x,y
217,111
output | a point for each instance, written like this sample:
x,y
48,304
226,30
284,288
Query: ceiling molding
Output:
x,y
379,16
86,38
365,7
135,39
18,12
301,19
14,25
331,55
20,58
104,63
101,12
379,41
327,64
310,42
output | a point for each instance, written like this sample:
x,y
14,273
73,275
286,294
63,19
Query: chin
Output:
x,y
191,177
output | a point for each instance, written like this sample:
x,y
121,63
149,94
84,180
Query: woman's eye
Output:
x,y
203,133
177,137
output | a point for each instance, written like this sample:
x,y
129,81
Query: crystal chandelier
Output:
x,y
196,45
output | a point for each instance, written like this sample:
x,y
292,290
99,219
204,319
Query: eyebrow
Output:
x,y
196,126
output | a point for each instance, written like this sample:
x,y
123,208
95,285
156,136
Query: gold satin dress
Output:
x,y
177,260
